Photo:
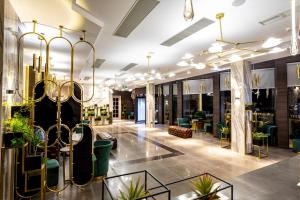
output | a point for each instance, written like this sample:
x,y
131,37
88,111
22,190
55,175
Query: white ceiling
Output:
x,y
165,20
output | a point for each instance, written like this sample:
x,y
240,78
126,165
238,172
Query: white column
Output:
x,y
240,96
150,105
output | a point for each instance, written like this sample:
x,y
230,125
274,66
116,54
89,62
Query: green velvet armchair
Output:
x,y
271,131
296,141
102,150
183,122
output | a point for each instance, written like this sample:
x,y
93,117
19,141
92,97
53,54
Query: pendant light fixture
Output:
x,y
294,42
188,12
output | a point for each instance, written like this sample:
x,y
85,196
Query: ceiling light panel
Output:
x,y
98,63
137,13
129,66
278,17
199,25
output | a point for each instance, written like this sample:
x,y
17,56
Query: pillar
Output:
x,y
150,105
241,95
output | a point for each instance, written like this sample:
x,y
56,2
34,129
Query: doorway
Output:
x,y
141,110
116,107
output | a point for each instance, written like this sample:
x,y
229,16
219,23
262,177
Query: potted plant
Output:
x,y
15,131
224,132
103,114
204,186
134,192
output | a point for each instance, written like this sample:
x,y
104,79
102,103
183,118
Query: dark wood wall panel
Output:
x,y
170,101
282,105
160,106
179,99
126,101
216,102
140,91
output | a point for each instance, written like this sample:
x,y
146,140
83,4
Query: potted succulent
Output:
x,y
204,186
134,192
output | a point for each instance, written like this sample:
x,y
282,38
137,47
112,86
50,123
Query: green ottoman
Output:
x,y
52,172
101,159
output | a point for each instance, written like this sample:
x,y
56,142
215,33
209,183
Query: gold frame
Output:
x,y
47,81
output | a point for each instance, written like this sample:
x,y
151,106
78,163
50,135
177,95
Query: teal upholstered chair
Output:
x,y
183,122
130,115
296,140
52,172
296,145
271,131
102,150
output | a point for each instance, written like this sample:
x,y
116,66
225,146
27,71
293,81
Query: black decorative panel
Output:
x,y
44,110
82,156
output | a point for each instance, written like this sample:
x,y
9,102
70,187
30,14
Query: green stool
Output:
x,y
101,157
52,172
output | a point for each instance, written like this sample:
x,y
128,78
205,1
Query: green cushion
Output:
x,y
52,163
52,172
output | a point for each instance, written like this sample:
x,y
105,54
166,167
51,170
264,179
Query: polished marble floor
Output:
x,y
170,158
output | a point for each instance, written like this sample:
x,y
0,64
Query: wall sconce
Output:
x,y
10,92
227,82
237,97
256,80
298,71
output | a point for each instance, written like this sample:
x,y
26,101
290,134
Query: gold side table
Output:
x,y
263,138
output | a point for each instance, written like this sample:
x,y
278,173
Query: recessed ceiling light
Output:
x,y
188,72
215,48
182,63
199,66
277,50
171,74
271,42
235,58
188,56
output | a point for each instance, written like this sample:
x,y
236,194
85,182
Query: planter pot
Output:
x,y
8,137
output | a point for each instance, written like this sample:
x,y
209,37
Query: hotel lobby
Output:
x,y
150,99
